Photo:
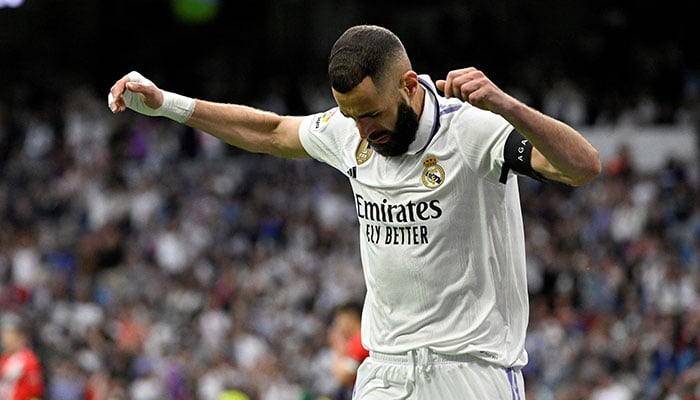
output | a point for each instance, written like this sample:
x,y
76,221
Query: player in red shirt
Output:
x,y
344,337
20,369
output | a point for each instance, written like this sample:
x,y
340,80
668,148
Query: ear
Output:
x,y
409,83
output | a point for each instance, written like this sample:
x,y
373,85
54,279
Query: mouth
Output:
x,y
380,140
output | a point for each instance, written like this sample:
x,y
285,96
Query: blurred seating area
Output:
x,y
154,262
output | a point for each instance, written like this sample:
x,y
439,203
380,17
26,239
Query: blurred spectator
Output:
x,y
66,382
345,339
621,164
608,388
21,373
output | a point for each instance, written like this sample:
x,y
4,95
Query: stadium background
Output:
x,y
154,262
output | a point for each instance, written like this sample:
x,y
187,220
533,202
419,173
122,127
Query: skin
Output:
x,y
345,326
12,340
560,153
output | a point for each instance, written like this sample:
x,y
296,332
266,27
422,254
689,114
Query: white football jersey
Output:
x,y
442,241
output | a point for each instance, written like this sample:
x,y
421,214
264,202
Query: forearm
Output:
x,y
249,128
559,151
563,147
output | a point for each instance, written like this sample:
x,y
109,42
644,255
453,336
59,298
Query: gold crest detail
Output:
x,y
433,175
364,152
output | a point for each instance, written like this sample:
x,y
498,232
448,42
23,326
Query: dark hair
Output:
x,y
350,307
361,51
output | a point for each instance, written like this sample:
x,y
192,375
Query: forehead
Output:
x,y
345,318
365,98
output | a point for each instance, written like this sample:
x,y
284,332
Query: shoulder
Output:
x,y
471,118
328,127
329,121
29,357
329,137
355,348
472,128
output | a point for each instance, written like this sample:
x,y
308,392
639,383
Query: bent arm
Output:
x,y
249,128
559,151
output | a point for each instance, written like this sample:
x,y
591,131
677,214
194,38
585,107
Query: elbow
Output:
x,y
589,171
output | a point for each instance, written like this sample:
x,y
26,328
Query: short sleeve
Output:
x,y
481,137
323,134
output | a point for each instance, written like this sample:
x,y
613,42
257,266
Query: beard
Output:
x,y
403,134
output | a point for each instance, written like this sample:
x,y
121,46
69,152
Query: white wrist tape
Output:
x,y
175,106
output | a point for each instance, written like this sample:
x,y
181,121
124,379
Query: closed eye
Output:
x,y
371,114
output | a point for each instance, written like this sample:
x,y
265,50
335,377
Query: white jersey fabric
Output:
x,y
442,241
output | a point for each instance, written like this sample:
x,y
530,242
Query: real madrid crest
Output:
x,y
363,153
433,174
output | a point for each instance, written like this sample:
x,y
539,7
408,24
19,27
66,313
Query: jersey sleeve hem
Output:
x,y
305,139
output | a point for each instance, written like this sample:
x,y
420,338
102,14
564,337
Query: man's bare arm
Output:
x,y
241,126
249,128
559,152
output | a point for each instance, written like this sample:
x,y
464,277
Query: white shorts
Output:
x,y
424,375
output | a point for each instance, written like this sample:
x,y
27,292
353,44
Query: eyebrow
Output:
x,y
365,115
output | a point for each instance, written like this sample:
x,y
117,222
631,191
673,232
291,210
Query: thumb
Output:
x,y
148,94
143,98
440,84
138,87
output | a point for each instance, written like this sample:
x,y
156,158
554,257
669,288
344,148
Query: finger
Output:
x,y
114,99
115,103
455,87
456,79
464,88
467,91
149,93
476,98
138,87
111,103
440,85
466,84
448,86
118,89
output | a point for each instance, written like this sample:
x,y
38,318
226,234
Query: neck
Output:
x,y
12,350
418,100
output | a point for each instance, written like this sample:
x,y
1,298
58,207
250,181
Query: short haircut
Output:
x,y
362,51
350,307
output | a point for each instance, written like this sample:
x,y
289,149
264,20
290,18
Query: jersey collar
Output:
x,y
429,121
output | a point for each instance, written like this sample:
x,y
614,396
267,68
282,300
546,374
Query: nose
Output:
x,y
366,127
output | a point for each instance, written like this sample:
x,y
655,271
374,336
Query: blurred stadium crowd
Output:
x,y
153,262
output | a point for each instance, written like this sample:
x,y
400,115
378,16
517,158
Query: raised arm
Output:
x,y
241,126
559,152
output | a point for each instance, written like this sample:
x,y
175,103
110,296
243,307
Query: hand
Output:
x,y
136,92
470,84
